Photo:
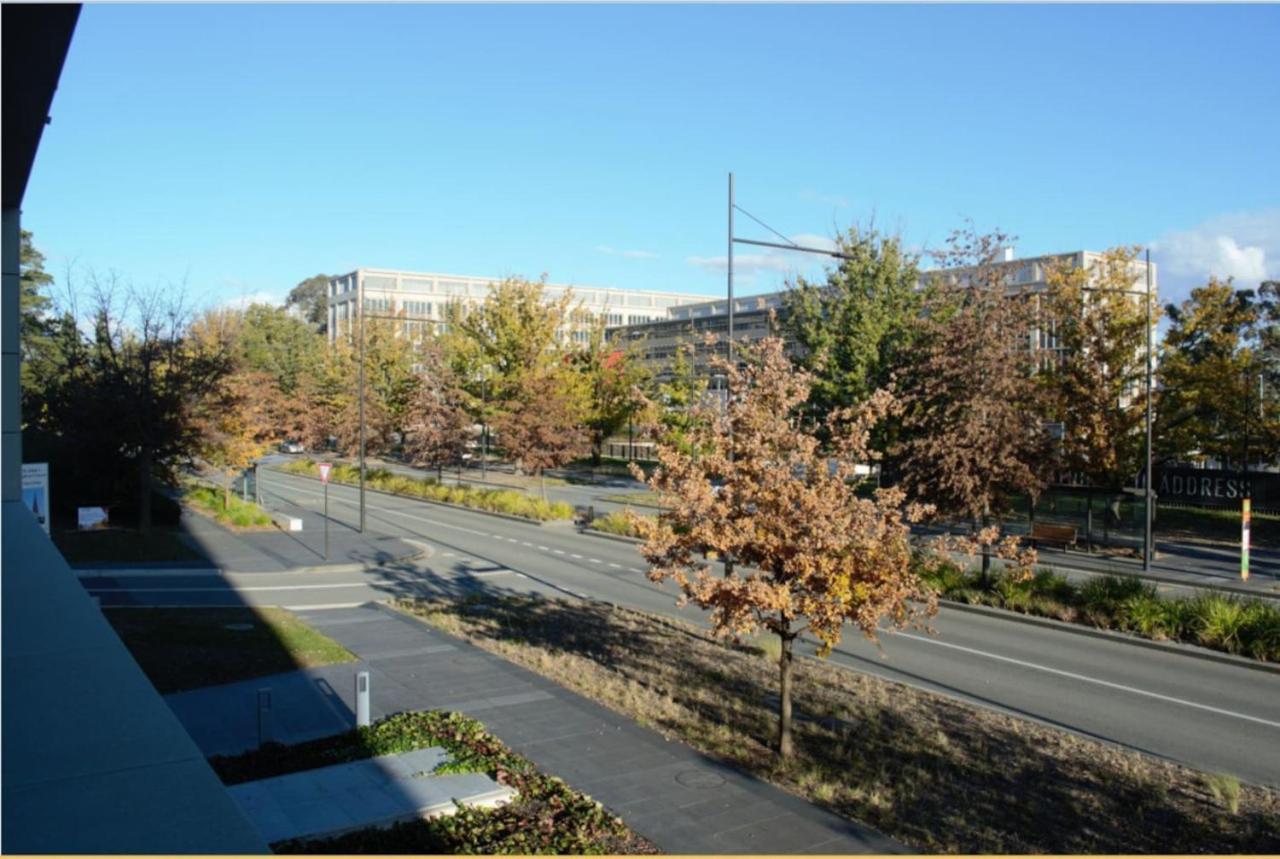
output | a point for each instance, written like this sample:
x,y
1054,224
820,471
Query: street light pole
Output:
x,y
360,301
728,559
1148,540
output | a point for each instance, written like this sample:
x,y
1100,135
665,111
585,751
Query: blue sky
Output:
x,y
243,148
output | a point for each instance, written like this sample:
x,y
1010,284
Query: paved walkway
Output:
x,y
277,551
679,799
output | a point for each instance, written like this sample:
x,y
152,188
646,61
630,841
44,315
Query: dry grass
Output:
x,y
939,774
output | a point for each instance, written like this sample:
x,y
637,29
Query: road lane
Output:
x,y
1216,717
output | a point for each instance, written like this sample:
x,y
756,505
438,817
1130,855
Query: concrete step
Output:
x,y
379,791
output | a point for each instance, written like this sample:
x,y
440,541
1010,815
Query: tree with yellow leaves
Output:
x,y
747,481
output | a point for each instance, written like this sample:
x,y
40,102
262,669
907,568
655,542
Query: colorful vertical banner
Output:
x,y
1244,539
35,491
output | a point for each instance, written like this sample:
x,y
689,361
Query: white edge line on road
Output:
x,y
229,590
1084,679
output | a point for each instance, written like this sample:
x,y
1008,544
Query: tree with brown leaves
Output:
x,y
439,425
542,422
235,420
973,434
811,555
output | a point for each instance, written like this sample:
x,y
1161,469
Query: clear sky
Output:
x,y
243,148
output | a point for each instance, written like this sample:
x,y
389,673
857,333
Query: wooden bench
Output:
x,y
1061,535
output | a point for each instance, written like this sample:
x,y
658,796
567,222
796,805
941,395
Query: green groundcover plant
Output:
x,y
1241,626
505,501
547,816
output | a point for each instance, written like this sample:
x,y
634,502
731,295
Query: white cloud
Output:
x,y
632,254
1244,246
259,297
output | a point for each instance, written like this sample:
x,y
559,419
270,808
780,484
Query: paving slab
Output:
x,y
664,790
374,792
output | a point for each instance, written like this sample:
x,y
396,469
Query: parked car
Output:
x,y
292,446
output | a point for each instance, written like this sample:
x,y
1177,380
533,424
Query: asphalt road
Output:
x,y
1212,716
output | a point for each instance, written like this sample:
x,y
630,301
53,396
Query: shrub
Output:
x,y
1220,621
614,523
1261,633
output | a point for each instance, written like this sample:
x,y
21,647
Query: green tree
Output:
x,y
542,422
616,380
34,304
311,296
856,328
277,344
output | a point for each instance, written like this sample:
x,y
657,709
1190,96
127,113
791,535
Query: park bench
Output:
x,y
1059,535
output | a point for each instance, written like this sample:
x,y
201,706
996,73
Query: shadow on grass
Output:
x,y
938,773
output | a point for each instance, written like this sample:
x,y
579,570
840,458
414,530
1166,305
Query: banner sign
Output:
x,y
35,491
1211,487
1244,542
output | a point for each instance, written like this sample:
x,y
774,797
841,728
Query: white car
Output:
x,y
292,447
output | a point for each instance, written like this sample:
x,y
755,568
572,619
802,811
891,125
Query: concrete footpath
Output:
x,y
275,551
677,798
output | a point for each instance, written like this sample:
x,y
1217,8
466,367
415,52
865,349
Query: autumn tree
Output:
x,y
973,433
748,481
1094,368
235,422
514,330
439,424
855,328
541,423
1213,355
679,392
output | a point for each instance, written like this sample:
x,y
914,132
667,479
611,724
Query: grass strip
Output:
x,y
1240,626
187,648
235,513
506,501
940,774
546,817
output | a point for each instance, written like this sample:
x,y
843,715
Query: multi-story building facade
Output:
x,y
687,324
421,298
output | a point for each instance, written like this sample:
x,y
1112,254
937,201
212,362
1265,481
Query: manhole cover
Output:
x,y
699,779
239,627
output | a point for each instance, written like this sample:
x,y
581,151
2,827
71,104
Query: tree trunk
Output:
x,y
226,490
542,481
785,658
144,489
986,554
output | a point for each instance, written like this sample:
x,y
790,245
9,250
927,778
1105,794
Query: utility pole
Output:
x,y
360,302
1148,542
728,395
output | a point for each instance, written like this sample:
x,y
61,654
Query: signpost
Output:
x,y
324,478
1244,539
35,491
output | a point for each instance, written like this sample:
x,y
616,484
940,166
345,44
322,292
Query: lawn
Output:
x,y
124,546
937,773
186,648
546,817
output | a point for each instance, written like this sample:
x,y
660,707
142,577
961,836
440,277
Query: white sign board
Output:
x,y
88,518
35,491
324,471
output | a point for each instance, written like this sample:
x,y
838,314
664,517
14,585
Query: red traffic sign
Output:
x,y
324,470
